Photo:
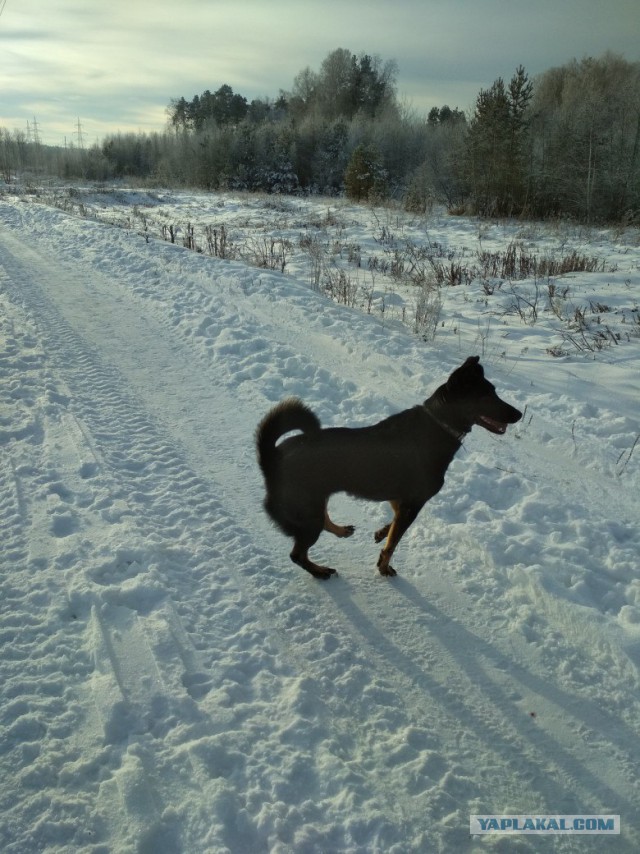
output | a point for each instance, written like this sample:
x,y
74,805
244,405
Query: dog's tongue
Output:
x,y
496,426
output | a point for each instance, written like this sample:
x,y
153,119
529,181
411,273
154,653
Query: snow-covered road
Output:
x,y
170,682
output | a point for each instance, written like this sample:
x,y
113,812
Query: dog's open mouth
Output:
x,y
491,425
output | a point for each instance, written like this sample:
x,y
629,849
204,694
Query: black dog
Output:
x,y
402,459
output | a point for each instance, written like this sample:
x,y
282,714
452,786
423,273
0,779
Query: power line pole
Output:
x,y
33,136
36,131
80,134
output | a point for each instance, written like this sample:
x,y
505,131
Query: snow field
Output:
x,y
172,683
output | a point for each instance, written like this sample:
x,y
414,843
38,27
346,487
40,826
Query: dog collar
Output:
x,y
458,435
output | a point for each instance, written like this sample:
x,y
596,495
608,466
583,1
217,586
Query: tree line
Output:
x,y
565,144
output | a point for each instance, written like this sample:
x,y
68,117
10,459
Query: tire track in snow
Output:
x,y
38,671
115,629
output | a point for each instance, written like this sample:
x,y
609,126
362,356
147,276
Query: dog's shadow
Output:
x,y
522,742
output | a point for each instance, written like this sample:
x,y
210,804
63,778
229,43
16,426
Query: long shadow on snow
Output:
x,y
470,652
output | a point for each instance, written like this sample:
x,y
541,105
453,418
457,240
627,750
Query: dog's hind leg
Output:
x,y
304,538
300,555
404,516
337,530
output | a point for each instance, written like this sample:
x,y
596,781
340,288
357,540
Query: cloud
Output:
x,y
119,63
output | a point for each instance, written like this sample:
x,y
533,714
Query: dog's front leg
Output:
x,y
336,530
383,532
404,516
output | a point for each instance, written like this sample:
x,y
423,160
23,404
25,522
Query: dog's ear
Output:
x,y
470,372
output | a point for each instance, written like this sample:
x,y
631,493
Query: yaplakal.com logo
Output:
x,y
542,824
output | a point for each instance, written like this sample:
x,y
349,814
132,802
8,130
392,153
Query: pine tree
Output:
x,y
496,147
364,177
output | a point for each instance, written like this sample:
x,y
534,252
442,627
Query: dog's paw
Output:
x,y
384,567
324,573
347,531
321,572
388,571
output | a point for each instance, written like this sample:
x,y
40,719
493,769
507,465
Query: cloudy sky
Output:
x,y
115,64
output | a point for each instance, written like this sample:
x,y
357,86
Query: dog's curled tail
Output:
x,y
289,414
